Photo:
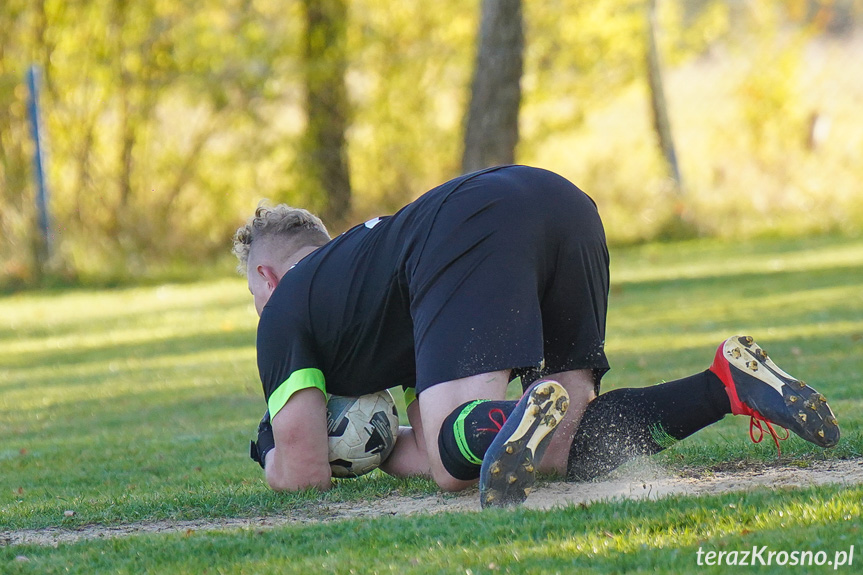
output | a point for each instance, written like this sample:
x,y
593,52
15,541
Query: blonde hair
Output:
x,y
282,227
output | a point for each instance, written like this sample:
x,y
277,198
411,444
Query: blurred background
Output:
x,y
163,123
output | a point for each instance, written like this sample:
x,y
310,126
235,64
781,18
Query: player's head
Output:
x,y
268,244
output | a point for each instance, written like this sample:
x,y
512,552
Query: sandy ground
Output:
x,y
642,481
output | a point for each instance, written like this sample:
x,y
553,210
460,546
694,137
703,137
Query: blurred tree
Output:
x,y
409,79
168,121
769,93
491,126
16,208
324,155
658,106
581,53
156,112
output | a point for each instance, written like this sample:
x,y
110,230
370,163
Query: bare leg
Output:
x,y
579,385
409,456
438,401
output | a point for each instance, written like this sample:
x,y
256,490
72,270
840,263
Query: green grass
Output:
x,y
802,300
138,403
135,404
603,538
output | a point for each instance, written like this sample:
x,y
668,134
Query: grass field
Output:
x,y
136,404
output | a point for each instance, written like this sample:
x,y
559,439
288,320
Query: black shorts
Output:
x,y
513,275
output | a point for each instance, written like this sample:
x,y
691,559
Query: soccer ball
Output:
x,y
362,432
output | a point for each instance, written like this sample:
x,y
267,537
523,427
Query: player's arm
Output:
x,y
295,393
409,454
299,459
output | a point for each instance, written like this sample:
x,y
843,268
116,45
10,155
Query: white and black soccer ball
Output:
x,y
362,432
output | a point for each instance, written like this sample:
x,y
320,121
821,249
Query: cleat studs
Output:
x,y
489,497
746,340
562,404
535,410
495,468
528,467
549,420
761,354
736,353
753,365
802,416
820,397
511,478
813,407
527,491
833,421
509,449
544,393
820,433
793,399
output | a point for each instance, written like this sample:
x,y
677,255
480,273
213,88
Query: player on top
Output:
x,y
492,275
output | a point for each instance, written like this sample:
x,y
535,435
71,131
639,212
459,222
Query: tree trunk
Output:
x,y
491,127
661,122
325,152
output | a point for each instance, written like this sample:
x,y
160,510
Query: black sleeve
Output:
x,y
286,359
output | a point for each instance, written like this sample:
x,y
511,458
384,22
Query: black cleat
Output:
x,y
508,469
758,388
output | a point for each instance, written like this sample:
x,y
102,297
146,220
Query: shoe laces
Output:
x,y
498,423
757,422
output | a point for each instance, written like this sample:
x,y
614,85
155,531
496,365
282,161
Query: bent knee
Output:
x,y
449,483
579,384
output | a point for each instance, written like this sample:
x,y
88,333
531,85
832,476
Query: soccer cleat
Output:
x,y
758,388
508,469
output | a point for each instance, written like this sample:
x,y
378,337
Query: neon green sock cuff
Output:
x,y
460,437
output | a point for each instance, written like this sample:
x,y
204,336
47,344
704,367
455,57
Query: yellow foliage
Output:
x,y
168,121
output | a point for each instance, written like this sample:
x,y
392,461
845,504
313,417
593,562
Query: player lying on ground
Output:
x,y
495,274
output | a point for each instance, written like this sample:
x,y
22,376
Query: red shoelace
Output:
x,y
755,422
498,424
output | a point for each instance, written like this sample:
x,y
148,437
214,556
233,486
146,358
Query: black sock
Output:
x,y
624,423
467,432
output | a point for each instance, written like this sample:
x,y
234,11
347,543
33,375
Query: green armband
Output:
x,y
300,379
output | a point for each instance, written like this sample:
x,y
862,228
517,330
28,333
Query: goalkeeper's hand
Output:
x,y
258,451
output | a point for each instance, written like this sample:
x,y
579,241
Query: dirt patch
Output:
x,y
643,480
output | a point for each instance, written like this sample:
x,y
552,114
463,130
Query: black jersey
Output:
x,y
452,285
